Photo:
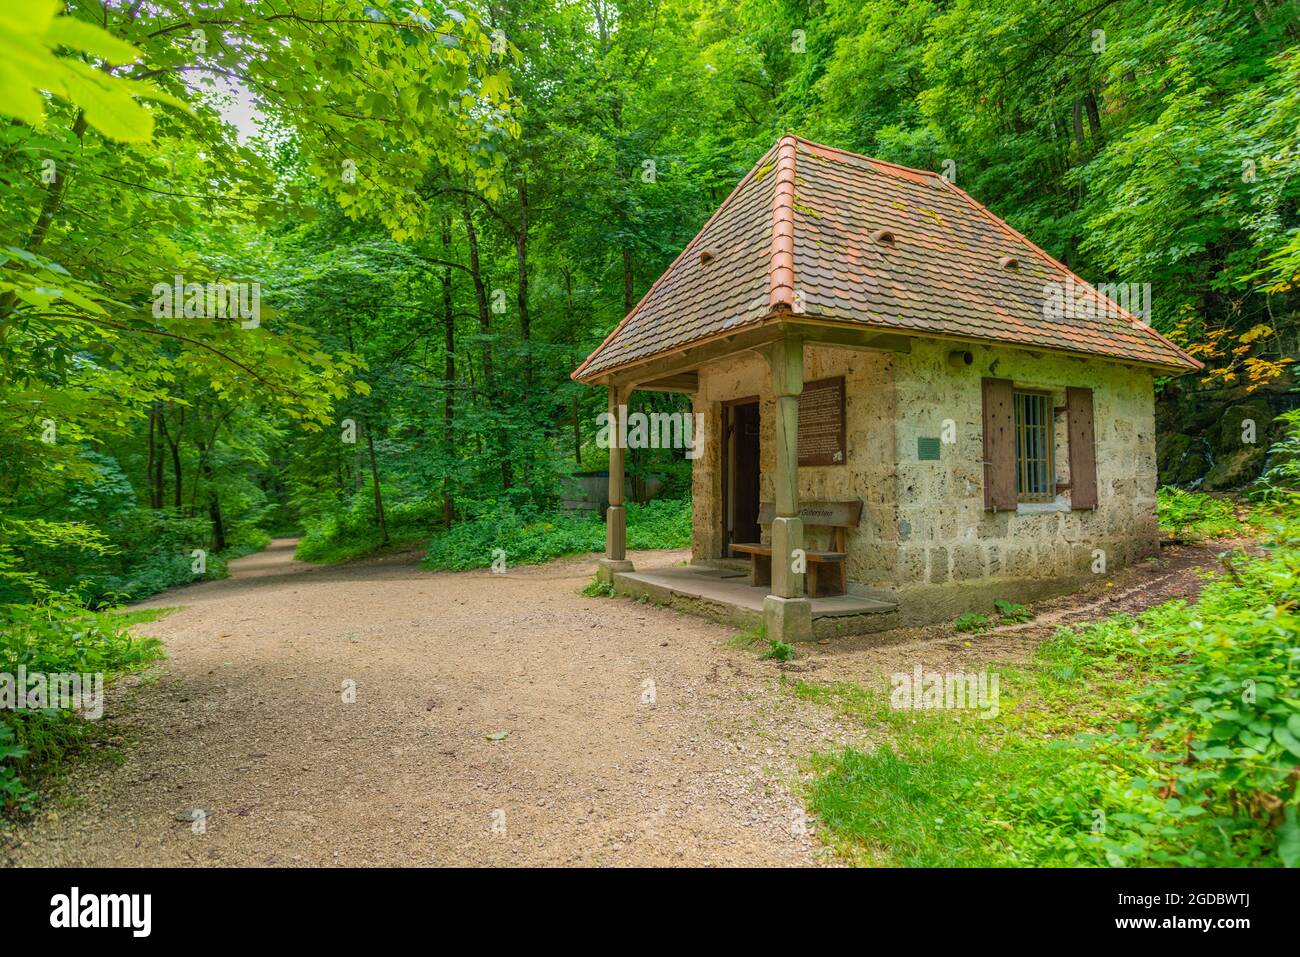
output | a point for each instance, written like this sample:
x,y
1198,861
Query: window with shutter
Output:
x,y
1083,448
1035,446
1020,442
999,446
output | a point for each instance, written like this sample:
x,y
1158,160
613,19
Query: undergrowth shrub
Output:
x,y
530,538
1195,515
57,636
142,552
351,532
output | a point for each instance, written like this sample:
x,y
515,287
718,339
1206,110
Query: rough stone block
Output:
x,y
911,563
606,569
787,619
938,565
967,562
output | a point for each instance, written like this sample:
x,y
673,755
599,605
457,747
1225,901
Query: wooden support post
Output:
x,y
787,528
786,612
615,559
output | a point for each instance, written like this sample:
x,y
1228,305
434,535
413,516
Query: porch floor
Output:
x,y
731,587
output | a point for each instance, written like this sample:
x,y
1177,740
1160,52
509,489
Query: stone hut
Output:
x,y
906,404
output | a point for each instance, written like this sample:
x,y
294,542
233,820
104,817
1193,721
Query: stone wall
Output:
x,y
924,532
869,474
944,534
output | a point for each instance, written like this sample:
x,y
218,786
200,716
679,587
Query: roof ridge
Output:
x,y
665,274
781,273
869,159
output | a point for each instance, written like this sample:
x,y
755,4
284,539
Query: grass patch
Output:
x,y
1011,613
1163,739
526,537
347,535
778,651
749,637
971,622
598,589
130,617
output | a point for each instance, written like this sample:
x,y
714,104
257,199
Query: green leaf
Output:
x,y
81,35
1288,740
1288,844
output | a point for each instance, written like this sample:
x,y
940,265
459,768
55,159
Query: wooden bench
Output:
x,y
833,515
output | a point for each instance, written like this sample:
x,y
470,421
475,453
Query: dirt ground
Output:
x,y
634,734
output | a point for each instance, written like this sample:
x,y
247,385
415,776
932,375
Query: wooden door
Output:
x,y
744,504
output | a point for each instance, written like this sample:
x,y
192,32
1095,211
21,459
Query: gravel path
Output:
x,y
247,722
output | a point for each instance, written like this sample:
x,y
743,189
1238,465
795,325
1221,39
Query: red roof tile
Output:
x,y
808,232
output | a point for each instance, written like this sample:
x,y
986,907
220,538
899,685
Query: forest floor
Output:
x,y
247,722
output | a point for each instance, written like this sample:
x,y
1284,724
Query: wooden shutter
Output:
x,y
999,446
1083,448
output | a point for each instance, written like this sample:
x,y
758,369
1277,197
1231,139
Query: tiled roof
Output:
x,y
817,232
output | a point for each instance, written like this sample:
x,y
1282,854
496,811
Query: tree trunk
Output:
x,y
218,526
50,207
521,258
176,471
214,499
577,434
175,447
485,323
480,297
148,462
1094,114
159,490
449,374
374,480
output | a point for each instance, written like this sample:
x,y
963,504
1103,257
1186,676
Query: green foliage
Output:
x,y
442,224
30,33
1195,515
100,382
778,650
1010,612
971,621
58,636
749,637
152,552
661,523
529,539
347,534
598,589
1280,483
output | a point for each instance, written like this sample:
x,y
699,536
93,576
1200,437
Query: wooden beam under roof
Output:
x,y
681,382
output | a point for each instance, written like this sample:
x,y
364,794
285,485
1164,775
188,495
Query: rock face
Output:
x,y
1215,440
1180,459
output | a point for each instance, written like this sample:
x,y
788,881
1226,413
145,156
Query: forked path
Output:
x,y
633,734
